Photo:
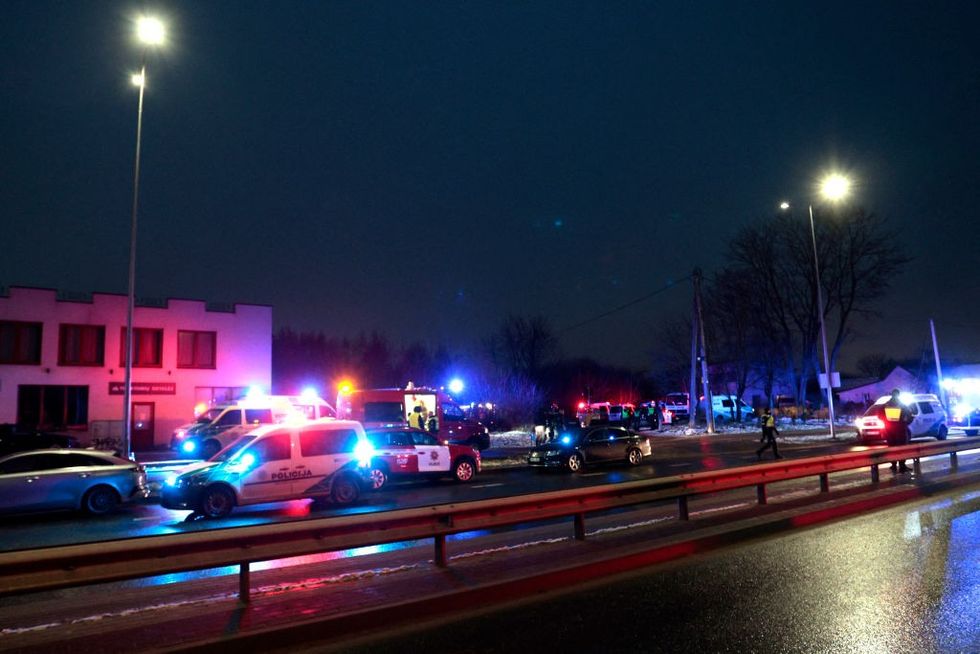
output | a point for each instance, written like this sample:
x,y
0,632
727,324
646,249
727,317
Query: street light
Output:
x,y
834,188
149,32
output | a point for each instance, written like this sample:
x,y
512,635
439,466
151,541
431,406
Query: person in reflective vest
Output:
x,y
896,416
769,432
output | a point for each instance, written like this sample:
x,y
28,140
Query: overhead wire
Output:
x,y
671,284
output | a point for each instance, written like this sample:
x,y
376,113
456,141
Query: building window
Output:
x,y
81,345
20,343
195,349
147,348
211,395
52,407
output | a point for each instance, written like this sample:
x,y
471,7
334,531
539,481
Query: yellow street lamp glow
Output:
x,y
150,30
835,187
137,79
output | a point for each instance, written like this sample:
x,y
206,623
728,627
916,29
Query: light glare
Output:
x,y
835,187
150,30
784,205
137,79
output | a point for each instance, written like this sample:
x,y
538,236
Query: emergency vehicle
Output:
x,y
394,407
221,424
325,460
928,418
964,403
403,453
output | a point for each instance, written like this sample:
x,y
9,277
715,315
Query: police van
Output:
x,y
325,460
928,418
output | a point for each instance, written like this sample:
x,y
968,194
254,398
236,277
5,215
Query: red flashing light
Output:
x,y
581,405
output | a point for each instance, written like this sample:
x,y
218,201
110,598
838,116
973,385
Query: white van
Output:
x,y
325,460
217,427
725,408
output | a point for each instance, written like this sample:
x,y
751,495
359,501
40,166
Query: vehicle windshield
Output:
x,y
209,415
236,446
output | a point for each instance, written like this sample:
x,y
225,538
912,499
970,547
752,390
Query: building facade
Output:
x,y
62,361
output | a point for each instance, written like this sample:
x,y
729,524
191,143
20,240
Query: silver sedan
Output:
x,y
89,480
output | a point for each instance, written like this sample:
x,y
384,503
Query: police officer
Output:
x,y
769,433
433,424
896,416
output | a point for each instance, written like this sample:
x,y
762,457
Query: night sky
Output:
x,y
423,168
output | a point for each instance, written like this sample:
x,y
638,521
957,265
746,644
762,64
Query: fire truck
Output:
x,y
398,407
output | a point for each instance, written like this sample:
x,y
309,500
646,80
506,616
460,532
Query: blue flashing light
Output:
x,y
254,392
242,464
363,452
456,386
309,393
566,440
189,446
171,480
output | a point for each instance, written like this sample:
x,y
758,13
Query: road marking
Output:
x,y
679,465
485,485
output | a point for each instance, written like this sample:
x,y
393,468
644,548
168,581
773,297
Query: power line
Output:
x,y
644,298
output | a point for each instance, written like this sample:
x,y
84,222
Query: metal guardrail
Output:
x,y
68,566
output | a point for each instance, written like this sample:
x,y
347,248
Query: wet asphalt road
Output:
x,y
900,580
672,456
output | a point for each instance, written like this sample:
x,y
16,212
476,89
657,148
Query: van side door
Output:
x,y
323,450
270,477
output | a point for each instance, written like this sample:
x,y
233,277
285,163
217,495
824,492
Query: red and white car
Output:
x,y
402,452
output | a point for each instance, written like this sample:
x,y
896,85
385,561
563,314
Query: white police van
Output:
x,y
325,459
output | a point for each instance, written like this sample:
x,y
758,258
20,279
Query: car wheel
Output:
x,y
943,432
210,448
345,490
574,462
217,502
464,470
634,456
100,500
377,477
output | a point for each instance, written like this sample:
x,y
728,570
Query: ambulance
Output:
x,y
326,460
395,407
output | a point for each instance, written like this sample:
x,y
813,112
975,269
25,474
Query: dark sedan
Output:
x,y
14,439
573,450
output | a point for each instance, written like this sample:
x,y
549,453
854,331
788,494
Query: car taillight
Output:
x,y
872,423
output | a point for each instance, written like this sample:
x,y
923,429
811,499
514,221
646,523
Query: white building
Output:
x,y
62,361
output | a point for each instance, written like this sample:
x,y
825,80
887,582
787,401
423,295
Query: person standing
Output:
x,y
769,433
896,416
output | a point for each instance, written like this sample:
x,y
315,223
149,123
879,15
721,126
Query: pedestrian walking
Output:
x,y
769,433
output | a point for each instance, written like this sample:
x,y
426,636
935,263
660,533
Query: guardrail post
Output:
x,y
579,526
874,474
824,483
440,553
760,492
682,508
953,461
244,583
916,467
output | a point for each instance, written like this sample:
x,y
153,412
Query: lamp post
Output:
x,y
833,187
149,32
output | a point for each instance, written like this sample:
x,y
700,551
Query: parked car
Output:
x,y
58,479
576,449
325,459
13,440
928,419
402,452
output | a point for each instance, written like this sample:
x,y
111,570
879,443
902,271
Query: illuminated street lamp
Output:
x,y
149,32
834,188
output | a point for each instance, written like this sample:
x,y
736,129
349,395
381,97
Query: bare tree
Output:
x,y
522,346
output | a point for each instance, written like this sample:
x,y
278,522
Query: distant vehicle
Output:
x,y
393,407
222,424
68,479
969,420
677,404
928,418
596,412
13,440
576,449
325,459
403,453
727,408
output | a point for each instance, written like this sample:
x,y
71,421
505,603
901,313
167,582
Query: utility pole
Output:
x,y
939,367
692,406
709,412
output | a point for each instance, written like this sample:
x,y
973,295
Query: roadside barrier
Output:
x,y
69,566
